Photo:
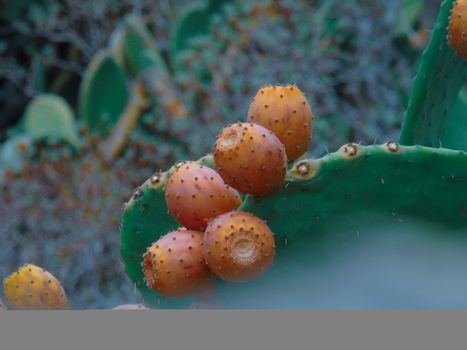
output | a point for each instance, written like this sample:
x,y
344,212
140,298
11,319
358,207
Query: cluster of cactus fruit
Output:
x,y
308,204
216,239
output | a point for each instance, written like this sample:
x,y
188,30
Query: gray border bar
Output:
x,y
221,330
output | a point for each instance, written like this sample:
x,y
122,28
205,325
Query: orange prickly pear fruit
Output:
x,y
250,158
457,30
284,109
174,265
238,246
196,194
33,288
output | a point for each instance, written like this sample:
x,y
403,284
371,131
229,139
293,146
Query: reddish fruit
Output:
x,y
196,194
457,30
33,288
130,307
174,265
238,246
285,111
250,158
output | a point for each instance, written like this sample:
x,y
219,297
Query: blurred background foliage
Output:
x,y
61,195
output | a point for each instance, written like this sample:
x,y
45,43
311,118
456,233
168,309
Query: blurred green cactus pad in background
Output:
x,y
50,117
103,94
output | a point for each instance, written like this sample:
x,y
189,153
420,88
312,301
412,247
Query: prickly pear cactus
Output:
x,y
33,288
50,117
455,135
134,44
103,94
440,77
137,50
326,208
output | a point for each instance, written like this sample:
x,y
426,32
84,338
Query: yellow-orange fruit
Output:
x,y
457,30
284,109
130,307
174,265
238,246
196,194
33,288
250,158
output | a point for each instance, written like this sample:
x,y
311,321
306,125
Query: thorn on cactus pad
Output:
x,y
393,146
350,150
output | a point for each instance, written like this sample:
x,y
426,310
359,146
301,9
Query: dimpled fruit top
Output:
x,y
250,158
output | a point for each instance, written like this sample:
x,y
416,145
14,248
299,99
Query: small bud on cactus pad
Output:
x,y
250,158
238,246
196,194
130,307
457,31
284,110
2,307
174,265
33,288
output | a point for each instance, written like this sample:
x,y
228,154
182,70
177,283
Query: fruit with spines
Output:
x,y
457,31
284,109
250,158
174,265
238,246
33,288
196,194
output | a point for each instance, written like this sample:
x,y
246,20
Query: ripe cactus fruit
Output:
x,y
250,158
238,246
196,194
284,109
174,265
457,31
33,288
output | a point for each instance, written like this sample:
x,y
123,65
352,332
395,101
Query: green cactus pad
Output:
x,y
103,94
327,208
194,22
441,75
49,116
454,133
136,41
